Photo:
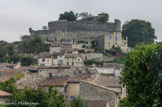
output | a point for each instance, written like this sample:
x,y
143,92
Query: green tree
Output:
x,y
78,102
104,17
44,28
40,97
57,100
84,15
3,43
26,60
69,16
34,45
138,32
142,76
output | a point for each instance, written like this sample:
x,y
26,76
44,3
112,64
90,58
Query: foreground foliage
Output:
x,y
78,102
142,77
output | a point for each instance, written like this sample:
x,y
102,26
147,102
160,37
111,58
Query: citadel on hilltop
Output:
x,y
86,30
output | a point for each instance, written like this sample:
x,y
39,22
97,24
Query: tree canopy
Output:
x,y
142,77
103,17
69,16
138,32
78,102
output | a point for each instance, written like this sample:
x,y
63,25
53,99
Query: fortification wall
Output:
x,y
76,35
85,25
77,30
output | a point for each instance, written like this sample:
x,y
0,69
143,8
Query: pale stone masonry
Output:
x,y
76,30
93,91
112,39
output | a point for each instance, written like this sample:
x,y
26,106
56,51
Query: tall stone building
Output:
x,y
77,30
112,39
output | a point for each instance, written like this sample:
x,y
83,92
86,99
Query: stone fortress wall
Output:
x,y
77,30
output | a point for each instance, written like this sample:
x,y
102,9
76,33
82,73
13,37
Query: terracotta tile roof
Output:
x,y
58,53
28,67
66,45
108,80
101,86
68,50
4,94
92,103
44,55
8,64
79,77
54,67
55,81
55,45
73,56
6,74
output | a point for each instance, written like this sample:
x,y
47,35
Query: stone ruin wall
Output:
x,y
77,30
77,35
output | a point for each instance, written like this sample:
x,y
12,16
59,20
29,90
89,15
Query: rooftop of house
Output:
x,y
4,94
54,67
73,56
92,103
8,64
101,86
58,53
44,55
55,81
78,77
108,80
6,74
55,45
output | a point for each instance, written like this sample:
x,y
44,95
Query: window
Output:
x,y
72,63
116,33
60,56
67,63
60,62
43,60
116,38
55,56
71,97
110,37
78,59
50,75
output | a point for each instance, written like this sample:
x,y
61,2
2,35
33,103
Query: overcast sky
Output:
x,y
17,16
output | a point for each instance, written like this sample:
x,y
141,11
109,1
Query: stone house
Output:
x,y
75,60
52,71
90,90
112,39
58,58
54,48
73,84
45,59
61,54
9,66
6,74
59,83
4,96
89,56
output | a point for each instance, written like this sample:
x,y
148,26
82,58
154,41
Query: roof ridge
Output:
x,y
101,86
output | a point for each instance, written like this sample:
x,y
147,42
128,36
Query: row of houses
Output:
x,y
91,84
66,54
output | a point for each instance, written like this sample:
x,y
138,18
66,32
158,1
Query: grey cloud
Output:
x,y
16,16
